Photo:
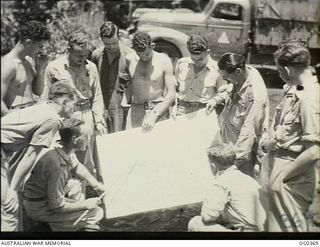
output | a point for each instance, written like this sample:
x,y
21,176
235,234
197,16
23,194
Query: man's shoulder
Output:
x,y
184,61
124,49
131,55
48,112
50,159
57,63
9,62
98,52
162,57
91,65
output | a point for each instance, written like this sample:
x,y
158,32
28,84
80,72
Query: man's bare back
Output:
x,y
16,80
148,82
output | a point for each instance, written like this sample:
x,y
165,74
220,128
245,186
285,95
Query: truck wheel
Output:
x,y
170,49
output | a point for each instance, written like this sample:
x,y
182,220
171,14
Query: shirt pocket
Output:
x,y
238,116
83,84
184,79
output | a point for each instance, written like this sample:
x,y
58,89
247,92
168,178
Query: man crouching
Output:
x,y
52,194
234,200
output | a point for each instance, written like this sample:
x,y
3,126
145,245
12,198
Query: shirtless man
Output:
x,y
152,87
22,68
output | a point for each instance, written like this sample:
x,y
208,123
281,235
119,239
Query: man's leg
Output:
x,y
136,116
110,120
92,218
196,225
9,220
289,201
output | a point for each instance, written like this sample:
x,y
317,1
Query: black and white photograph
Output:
x,y
170,119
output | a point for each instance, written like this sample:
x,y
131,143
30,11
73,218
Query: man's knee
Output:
x,y
275,187
9,221
95,215
194,224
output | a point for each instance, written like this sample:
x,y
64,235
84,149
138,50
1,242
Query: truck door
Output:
x,y
230,23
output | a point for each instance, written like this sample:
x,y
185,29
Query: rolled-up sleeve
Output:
x,y
55,186
214,202
44,135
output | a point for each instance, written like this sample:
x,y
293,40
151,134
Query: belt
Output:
x,y
147,105
21,106
83,105
33,199
191,104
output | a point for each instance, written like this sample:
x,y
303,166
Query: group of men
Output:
x,y
52,112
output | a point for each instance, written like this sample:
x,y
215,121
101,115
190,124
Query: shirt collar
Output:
x,y
65,159
117,55
231,168
67,62
246,84
210,64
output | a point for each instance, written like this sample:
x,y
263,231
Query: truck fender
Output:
x,y
177,38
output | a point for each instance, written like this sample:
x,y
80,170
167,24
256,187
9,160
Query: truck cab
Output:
x,y
228,19
253,28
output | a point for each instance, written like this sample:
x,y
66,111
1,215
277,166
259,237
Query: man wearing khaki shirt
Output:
x,y
244,119
83,74
198,78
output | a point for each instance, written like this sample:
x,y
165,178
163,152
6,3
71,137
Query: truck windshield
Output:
x,y
196,6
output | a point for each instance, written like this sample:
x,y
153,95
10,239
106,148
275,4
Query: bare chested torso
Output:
x,y
147,78
19,89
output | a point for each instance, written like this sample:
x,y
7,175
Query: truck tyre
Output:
x,y
170,49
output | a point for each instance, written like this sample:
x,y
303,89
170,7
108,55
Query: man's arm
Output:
x,y
169,81
84,174
24,166
248,132
56,192
47,82
128,86
7,73
214,203
38,82
302,162
310,118
97,103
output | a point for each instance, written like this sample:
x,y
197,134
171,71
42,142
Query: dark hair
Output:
x,y
293,55
141,41
35,31
231,61
61,89
108,29
297,42
78,38
222,153
70,128
197,44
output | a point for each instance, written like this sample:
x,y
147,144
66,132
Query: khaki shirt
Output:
x,y
236,198
32,126
85,80
244,120
296,120
201,87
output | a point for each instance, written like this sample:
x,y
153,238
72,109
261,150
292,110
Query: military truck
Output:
x,y
250,27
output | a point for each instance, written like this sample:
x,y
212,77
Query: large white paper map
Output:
x,y
162,168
